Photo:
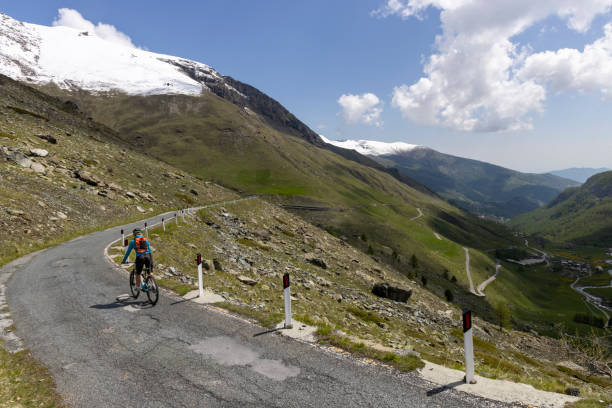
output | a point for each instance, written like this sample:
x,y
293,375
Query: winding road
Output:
x,y
592,299
588,298
104,349
467,270
484,284
418,216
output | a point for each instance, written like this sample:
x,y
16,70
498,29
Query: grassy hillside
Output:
x,y
370,209
215,139
578,215
480,187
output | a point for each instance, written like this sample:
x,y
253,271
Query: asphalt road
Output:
x,y
108,351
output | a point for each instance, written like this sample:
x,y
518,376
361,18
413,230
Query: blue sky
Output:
x,y
308,54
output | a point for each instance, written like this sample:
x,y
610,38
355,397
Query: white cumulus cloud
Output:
x,y
365,108
480,79
71,18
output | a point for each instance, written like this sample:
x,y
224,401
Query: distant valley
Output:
x,y
476,186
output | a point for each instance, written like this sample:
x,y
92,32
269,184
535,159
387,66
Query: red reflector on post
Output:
x,y
199,259
121,232
285,281
467,320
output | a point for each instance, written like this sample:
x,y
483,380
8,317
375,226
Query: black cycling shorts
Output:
x,y
143,260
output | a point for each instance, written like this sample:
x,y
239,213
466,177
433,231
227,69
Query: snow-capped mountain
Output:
x,y
79,59
373,148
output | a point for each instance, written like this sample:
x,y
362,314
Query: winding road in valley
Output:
x,y
484,284
105,349
418,216
545,256
469,274
590,299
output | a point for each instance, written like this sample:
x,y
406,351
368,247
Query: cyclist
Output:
x,y
141,246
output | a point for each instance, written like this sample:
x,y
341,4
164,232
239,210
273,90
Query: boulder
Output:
x,y
391,292
139,208
315,260
37,167
217,264
573,391
49,138
114,187
246,280
88,178
130,194
206,264
16,213
17,157
39,152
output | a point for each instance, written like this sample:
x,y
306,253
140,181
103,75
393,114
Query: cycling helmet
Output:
x,y
137,231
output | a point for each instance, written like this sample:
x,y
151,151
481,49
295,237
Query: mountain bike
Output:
x,y
150,284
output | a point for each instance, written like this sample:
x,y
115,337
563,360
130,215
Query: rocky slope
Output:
x,y
63,174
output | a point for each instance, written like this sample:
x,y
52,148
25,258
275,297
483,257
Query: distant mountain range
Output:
x,y
477,186
580,215
579,174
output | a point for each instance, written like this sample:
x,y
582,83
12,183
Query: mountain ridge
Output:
x,y
579,174
474,185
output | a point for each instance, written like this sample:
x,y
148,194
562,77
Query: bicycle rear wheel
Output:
x,y
152,290
133,287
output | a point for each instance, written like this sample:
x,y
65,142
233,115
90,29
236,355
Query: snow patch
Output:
x,y
373,148
64,56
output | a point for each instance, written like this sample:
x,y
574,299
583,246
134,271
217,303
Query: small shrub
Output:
x,y
448,294
414,262
365,315
252,244
185,198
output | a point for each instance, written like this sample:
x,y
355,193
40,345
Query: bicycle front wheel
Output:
x,y
152,290
133,286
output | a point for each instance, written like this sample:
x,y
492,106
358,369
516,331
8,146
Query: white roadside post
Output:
x,y
176,218
146,230
122,242
164,225
468,346
200,284
288,322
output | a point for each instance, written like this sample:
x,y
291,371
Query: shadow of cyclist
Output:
x,y
124,301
